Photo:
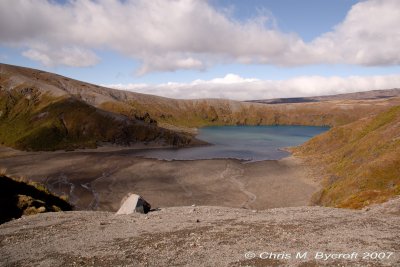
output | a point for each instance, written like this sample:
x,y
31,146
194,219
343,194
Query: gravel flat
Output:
x,y
99,179
206,236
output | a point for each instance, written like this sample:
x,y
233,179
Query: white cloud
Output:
x,y
235,87
69,56
167,35
169,63
369,35
230,79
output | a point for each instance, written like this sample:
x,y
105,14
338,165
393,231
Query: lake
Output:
x,y
251,143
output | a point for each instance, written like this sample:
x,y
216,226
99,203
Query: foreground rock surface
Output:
x,y
201,236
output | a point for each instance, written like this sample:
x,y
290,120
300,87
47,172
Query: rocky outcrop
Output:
x,y
19,198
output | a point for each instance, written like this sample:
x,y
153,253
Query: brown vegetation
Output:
x,y
360,161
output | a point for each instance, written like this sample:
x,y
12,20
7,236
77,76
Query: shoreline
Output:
x,y
4,150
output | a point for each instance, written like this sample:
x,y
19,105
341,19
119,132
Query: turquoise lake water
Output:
x,y
251,143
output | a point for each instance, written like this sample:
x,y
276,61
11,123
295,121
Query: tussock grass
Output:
x,y
360,160
3,171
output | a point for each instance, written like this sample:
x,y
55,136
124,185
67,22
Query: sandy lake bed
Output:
x,y
99,179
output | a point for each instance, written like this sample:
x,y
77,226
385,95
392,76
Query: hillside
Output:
x,y
37,115
26,198
205,236
194,113
359,161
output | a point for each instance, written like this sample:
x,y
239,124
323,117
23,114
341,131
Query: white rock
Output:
x,y
133,203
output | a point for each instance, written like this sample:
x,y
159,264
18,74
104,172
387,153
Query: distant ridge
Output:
x,y
369,95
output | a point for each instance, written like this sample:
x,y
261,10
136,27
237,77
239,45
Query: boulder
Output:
x,y
133,203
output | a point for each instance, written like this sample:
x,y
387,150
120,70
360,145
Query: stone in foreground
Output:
x,y
133,203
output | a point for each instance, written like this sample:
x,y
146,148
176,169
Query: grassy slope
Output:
x,y
31,120
198,113
21,198
360,160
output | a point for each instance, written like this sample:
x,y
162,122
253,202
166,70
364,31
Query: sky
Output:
x,y
236,49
